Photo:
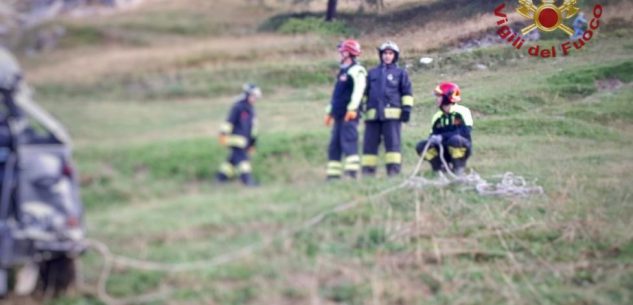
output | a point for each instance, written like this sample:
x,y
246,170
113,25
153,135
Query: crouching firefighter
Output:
x,y
389,103
238,133
343,113
451,128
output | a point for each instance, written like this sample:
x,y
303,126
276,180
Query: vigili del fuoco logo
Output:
x,y
549,17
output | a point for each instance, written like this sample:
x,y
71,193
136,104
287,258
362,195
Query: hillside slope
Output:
x,y
144,92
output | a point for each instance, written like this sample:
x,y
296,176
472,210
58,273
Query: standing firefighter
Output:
x,y
580,26
451,127
239,134
343,112
389,103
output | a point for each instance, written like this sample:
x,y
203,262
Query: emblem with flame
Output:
x,y
548,17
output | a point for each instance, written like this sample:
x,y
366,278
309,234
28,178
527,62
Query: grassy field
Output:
x,y
144,99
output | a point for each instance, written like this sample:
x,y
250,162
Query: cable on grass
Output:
x,y
509,185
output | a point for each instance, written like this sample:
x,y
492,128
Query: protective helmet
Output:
x,y
389,45
252,89
10,72
450,92
350,45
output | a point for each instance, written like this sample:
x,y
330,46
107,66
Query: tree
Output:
x,y
330,13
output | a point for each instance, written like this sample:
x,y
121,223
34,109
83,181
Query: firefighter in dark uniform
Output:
x,y
450,127
389,103
580,26
239,134
343,113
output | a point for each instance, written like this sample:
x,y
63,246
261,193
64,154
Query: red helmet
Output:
x,y
350,45
450,91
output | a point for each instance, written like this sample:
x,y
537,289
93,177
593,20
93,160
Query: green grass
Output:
x,y
147,158
192,82
582,81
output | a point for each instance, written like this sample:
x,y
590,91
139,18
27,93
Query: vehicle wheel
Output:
x,y
57,276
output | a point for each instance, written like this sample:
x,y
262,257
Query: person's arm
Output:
x,y
406,92
433,130
226,129
359,76
467,123
365,99
231,120
254,133
463,131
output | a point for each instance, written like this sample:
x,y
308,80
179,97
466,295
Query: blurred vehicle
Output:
x,y
41,214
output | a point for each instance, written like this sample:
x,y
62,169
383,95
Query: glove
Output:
x,y
435,139
405,116
328,120
223,139
350,116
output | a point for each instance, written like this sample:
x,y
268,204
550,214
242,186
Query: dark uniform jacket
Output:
x,y
348,90
240,125
458,121
389,93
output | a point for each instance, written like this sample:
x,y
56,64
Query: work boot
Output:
x,y
369,171
248,180
351,174
221,178
436,165
393,170
459,167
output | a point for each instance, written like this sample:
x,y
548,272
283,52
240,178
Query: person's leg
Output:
x,y
577,33
243,165
393,156
371,142
227,169
349,143
458,150
431,155
335,151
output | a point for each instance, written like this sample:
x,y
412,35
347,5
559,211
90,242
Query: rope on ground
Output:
x,y
111,260
509,184
102,291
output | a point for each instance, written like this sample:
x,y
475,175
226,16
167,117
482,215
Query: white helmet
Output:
x,y
389,45
252,89
10,72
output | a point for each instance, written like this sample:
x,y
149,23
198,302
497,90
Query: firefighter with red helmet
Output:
x,y
388,105
342,113
451,128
